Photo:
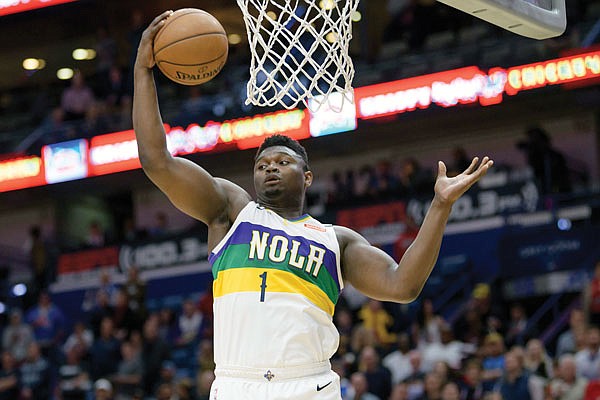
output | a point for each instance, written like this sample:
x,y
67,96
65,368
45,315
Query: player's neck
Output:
x,y
287,211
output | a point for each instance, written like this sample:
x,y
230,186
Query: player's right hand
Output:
x,y
145,53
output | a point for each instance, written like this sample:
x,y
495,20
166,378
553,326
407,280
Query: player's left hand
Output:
x,y
448,190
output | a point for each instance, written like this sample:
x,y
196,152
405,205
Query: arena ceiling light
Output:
x,y
356,16
234,38
83,54
33,64
64,74
20,289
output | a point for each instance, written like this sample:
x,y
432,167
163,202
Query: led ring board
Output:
x,y
537,19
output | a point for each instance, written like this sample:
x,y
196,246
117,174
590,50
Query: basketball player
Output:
x,y
278,272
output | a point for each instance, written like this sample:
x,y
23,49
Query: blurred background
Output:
x,y
106,288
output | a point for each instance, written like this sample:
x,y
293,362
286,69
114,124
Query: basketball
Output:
x,y
191,48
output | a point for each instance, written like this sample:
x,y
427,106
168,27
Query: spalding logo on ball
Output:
x,y
192,47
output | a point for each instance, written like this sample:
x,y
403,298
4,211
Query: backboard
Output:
x,y
538,19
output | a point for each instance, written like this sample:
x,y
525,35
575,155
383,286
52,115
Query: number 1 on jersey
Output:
x,y
263,286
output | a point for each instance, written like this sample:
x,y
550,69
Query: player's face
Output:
x,y
279,174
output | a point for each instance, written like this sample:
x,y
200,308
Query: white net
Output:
x,y
299,51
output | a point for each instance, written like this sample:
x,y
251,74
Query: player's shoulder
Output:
x,y
346,236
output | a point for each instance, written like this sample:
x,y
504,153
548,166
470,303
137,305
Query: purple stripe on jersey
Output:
x,y
243,235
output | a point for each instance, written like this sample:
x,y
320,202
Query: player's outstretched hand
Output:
x,y
145,54
448,190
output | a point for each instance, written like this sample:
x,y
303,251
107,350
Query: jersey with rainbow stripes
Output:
x,y
276,282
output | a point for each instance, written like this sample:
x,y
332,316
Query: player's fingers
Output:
x,y
471,167
441,169
160,18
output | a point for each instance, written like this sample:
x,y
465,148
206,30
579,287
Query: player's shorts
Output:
x,y
314,382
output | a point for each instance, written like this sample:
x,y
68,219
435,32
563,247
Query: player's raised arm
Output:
x,y
376,274
189,187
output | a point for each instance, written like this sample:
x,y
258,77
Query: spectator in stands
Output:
x,y
516,382
80,340
116,89
460,161
189,323
103,390
489,311
379,321
17,336
548,164
567,385
398,361
469,328
400,392
432,388
136,291
168,373
165,391
155,351
38,258
73,377
339,366
167,325
205,305
493,361
105,352
405,239
101,310
106,54
471,383
447,350
96,237
204,381
416,377
588,359
205,357
413,179
48,323
592,298
77,98
566,340
378,377
361,387
161,225
35,375
95,121
428,324
537,361
517,329
128,377
450,391
9,377
125,320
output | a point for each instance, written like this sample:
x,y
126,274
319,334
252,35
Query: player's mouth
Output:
x,y
272,179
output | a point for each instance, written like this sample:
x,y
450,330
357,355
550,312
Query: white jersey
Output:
x,y
276,282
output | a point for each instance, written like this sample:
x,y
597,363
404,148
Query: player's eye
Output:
x,y
284,162
261,167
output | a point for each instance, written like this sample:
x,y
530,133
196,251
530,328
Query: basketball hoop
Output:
x,y
299,51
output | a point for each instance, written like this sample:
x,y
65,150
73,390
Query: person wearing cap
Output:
x,y
493,362
103,389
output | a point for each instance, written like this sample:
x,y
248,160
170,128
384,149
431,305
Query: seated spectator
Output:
x,y
567,385
189,323
447,350
537,361
588,359
493,361
432,387
9,377
124,318
416,377
80,340
128,377
154,352
398,361
361,387
48,323
164,391
516,382
400,392
450,391
35,375
378,377
566,340
73,378
77,98
428,325
471,383
105,352
517,329
136,291
100,310
204,382
17,336
103,390
96,237
377,320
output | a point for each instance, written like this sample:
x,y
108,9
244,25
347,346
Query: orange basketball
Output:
x,y
191,48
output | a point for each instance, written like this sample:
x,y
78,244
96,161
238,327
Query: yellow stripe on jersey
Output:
x,y
237,280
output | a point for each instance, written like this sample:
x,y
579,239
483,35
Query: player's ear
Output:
x,y
308,178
